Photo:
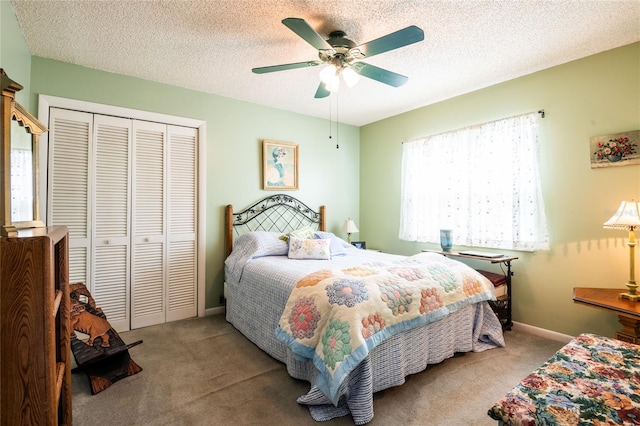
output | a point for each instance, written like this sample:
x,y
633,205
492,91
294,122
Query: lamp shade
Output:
x,y
349,226
329,74
626,217
350,76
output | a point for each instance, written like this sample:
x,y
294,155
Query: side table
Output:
x,y
502,306
607,299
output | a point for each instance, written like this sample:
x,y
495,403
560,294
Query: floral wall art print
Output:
x,y
280,165
618,149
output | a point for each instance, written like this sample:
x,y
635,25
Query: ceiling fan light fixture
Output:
x,y
350,76
333,85
329,74
338,52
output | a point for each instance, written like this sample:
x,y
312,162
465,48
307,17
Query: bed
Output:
x,y
264,287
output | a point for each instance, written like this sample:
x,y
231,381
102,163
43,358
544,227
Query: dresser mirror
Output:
x,y
20,131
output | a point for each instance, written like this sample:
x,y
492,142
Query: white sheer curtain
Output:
x,y
483,182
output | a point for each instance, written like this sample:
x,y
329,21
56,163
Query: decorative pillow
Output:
x,y
337,245
306,248
304,232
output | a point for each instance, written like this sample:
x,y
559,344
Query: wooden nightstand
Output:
x,y
501,306
608,299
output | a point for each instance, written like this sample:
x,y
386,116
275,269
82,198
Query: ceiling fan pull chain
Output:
x,y
337,121
330,126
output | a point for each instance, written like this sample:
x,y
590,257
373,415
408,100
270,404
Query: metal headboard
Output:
x,y
276,213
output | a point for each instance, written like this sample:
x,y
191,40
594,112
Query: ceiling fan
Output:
x,y
343,55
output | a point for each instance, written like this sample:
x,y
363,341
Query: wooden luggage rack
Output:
x,y
104,357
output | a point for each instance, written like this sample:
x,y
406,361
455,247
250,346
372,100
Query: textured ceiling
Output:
x,y
211,46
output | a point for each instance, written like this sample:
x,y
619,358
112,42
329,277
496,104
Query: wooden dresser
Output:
x,y
35,351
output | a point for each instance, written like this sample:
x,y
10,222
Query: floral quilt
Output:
x,y
336,316
593,380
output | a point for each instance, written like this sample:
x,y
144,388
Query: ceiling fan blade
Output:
x,y
274,68
391,41
300,27
379,74
322,91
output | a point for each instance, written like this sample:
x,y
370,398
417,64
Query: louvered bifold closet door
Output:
x,y
68,192
111,218
182,221
149,230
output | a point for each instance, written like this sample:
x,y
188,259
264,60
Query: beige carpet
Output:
x,y
204,372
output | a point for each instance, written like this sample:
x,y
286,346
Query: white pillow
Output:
x,y
306,248
253,245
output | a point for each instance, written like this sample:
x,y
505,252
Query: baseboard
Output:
x,y
547,334
517,326
214,311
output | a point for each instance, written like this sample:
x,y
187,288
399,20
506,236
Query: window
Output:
x,y
483,182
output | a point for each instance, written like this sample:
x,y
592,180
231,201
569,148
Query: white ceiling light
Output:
x,y
330,76
350,76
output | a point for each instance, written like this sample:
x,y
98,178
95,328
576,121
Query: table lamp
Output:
x,y
628,217
349,227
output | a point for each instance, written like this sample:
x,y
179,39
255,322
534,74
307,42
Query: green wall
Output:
x,y
14,54
593,96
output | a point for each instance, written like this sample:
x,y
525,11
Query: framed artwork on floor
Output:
x,y
279,165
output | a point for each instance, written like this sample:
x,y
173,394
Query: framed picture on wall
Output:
x,y
617,149
279,165
359,244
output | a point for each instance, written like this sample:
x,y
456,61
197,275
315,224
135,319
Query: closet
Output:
x,y
127,191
